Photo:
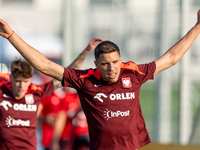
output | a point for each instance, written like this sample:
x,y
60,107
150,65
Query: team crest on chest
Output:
x,y
29,99
126,82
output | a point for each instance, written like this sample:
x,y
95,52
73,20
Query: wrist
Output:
x,y
10,35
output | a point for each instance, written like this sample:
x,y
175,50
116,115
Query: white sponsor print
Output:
x,y
97,85
6,96
122,96
118,96
111,114
18,107
24,107
98,96
17,122
5,105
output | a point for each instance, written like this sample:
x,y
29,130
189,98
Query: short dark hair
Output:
x,y
105,47
23,68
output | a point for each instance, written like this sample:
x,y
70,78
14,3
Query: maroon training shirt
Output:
x,y
18,118
113,110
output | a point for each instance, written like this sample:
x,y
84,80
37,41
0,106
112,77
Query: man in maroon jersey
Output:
x,y
19,101
109,94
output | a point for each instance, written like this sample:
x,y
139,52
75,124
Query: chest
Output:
x,y
121,93
17,112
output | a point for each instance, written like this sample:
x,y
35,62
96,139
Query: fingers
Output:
x,y
5,30
97,39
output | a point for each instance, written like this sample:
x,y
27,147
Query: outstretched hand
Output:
x,y
93,44
5,30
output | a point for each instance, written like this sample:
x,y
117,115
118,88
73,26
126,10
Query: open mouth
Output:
x,y
112,75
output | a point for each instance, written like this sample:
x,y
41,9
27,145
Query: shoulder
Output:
x,y
131,66
34,87
140,68
80,74
5,76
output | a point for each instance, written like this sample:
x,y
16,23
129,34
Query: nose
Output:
x,y
111,67
21,84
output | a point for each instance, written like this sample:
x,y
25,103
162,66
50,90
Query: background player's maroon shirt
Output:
x,y
113,110
18,118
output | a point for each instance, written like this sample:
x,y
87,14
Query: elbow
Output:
x,y
173,60
42,66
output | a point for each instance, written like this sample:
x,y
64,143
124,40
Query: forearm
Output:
x,y
59,125
176,52
77,63
34,57
181,47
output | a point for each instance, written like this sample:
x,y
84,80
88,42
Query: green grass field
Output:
x,y
148,100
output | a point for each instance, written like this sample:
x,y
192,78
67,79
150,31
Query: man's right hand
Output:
x,y
5,30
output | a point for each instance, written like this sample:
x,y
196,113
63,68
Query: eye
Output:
x,y
104,64
116,61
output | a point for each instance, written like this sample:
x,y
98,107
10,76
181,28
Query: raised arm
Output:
x,y
176,52
34,57
77,63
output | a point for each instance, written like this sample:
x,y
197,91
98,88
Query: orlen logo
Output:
x,y
18,107
111,114
12,122
117,96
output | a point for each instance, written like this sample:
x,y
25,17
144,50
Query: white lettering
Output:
x,y
122,96
110,114
12,122
112,96
128,95
24,107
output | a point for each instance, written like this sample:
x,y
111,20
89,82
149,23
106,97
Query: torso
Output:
x,y
113,111
18,119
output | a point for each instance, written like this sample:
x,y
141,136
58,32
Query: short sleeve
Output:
x,y
147,70
71,78
48,88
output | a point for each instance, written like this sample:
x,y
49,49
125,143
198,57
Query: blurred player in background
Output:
x,y
19,101
51,106
71,125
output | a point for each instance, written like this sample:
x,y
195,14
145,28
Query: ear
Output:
x,y
120,58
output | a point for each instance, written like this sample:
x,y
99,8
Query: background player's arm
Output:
x,y
175,53
40,107
58,129
77,63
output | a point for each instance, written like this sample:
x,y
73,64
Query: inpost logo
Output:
x,y
111,114
17,122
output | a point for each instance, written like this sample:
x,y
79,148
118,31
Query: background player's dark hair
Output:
x,y
105,47
22,68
